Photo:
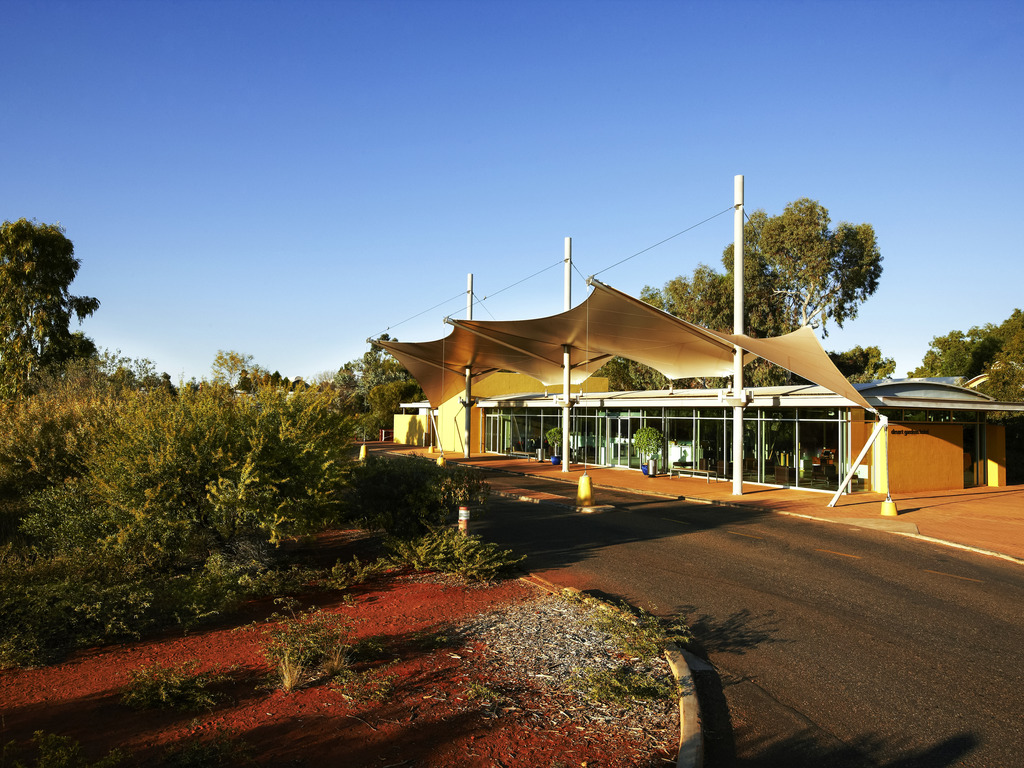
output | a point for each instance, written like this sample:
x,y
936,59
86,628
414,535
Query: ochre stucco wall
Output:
x,y
451,417
925,456
412,429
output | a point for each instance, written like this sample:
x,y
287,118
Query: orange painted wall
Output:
x,y
925,457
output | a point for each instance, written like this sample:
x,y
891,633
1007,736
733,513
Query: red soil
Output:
x,y
430,720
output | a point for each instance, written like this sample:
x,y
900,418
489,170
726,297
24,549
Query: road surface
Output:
x,y
831,645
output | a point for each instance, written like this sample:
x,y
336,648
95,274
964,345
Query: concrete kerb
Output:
x,y
691,738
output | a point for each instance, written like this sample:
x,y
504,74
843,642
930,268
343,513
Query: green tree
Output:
x,y
358,380
959,354
797,270
1006,371
37,266
819,273
863,364
230,366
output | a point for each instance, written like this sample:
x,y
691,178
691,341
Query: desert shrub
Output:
x,y
448,551
370,684
45,438
623,685
307,644
62,519
288,478
634,632
181,687
54,751
347,574
406,498
222,750
182,474
80,598
71,600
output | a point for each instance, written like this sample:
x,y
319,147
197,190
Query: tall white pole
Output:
x,y
566,359
467,429
737,322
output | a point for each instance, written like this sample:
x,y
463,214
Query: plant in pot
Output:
x,y
554,438
647,442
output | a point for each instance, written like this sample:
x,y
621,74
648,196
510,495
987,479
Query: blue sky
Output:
x,y
287,179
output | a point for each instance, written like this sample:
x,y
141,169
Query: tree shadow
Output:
x,y
741,631
806,751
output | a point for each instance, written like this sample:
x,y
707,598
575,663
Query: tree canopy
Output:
x,y
994,350
863,364
37,267
374,385
797,270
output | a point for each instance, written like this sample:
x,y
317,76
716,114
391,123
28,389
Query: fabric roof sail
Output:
x,y
606,324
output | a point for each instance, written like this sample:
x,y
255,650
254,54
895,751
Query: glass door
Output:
x,y
621,426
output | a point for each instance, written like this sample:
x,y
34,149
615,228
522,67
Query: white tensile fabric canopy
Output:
x,y
608,323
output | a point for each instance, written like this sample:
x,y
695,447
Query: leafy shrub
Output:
x,y
373,684
54,751
44,439
171,687
86,597
52,604
624,685
307,644
448,551
406,498
634,632
220,751
345,575
61,519
182,474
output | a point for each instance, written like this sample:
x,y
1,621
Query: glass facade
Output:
x,y
798,447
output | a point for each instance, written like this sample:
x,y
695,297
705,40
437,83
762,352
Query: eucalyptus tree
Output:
x,y
797,270
37,267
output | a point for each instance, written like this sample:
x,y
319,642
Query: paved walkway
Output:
x,y
987,519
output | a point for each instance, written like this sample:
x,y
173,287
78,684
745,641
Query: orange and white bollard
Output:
x,y
464,521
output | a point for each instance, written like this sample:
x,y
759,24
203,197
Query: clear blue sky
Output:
x,y
287,179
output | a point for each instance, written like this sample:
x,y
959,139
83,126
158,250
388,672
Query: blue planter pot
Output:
x,y
556,460
643,468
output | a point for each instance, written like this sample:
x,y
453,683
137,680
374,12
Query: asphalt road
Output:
x,y
831,645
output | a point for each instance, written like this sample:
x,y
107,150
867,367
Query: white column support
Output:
x,y
566,415
882,424
467,405
566,359
737,320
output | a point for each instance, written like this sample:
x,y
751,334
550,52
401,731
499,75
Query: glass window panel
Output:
x,y
818,462
805,414
778,445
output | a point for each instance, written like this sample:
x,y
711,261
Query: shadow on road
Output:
x,y
807,752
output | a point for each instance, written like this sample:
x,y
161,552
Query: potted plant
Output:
x,y
554,438
647,442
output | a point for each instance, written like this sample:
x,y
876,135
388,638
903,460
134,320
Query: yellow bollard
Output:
x,y
440,460
889,507
464,521
362,452
584,496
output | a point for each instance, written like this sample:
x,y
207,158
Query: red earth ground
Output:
x,y
435,715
